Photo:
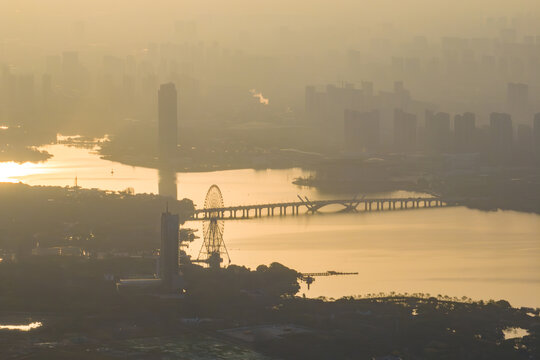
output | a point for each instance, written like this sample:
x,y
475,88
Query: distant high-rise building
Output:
x,y
524,144
310,102
437,134
367,88
361,131
70,61
404,131
518,98
71,70
536,135
501,137
25,99
168,253
465,133
46,87
167,121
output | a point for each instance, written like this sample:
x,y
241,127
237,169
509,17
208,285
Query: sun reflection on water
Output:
x,y
28,327
15,172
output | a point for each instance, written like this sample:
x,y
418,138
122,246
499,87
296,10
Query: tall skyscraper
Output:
x,y
501,137
168,121
361,131
465,133
168,253
404,131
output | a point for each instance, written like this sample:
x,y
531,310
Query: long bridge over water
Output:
x,y
311,207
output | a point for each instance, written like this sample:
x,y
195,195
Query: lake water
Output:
x,y
449,251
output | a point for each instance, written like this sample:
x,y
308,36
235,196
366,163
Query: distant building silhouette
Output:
x,y
46,87
501,137
437,135
168,253
25,99
524,143
71,70
367,88
518,98
404,131
465,133
536,135
325,108
167,120
311,102
361,131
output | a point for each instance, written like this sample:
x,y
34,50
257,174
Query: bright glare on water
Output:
x,y
28,327
514,333
14,172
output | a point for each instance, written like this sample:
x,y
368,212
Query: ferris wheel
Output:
x,y
213,245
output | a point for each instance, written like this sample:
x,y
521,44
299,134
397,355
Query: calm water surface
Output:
x,y
449,251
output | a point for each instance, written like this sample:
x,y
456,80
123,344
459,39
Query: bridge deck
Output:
x,y
293,207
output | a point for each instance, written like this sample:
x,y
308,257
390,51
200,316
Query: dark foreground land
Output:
x,y
235,313
90,219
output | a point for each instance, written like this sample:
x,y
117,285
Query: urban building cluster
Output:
x,y
393,122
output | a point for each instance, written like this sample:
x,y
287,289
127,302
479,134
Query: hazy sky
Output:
x,y
143,18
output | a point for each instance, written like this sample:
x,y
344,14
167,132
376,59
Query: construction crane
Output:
x,y
309,278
